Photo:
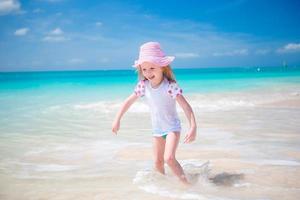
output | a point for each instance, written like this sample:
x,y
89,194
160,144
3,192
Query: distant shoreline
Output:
x,y
241,68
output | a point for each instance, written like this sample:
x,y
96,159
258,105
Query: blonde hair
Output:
x,y
167,72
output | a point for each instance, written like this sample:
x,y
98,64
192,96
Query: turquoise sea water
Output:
x,y
25,92
56,140
21,91
115,83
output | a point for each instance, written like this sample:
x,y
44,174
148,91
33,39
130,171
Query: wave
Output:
x,y
100,106
163,185
198,174
71,159
290,163
200,102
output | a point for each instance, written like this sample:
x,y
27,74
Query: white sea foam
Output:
x,y
152,182
84,157
54,168
295,93
219,105
171,193
101,106
291,163
199,101
207,104
109,107
23,169
238,185
184,194
234,100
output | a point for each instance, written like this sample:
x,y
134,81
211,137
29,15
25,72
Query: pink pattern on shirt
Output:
x,y
140,88
174,90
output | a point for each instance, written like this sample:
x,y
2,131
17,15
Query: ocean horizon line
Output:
x,y
174,68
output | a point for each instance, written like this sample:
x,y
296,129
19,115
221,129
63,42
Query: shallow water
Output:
x,y
56,143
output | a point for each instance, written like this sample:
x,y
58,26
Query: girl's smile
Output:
x,y
152,72
152,77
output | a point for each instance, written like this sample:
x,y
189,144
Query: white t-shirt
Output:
x,y
162,104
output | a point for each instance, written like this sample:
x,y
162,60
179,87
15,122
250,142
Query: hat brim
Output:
x,y
162,62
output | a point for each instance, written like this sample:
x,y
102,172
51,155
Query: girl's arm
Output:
x,y
126,105
191,135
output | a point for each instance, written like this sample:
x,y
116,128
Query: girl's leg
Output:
x,y
158,150
172,141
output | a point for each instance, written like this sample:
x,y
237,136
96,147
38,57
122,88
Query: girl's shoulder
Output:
x,y
174,89
139,89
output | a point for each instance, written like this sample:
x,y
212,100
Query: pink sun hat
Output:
x,y
152,52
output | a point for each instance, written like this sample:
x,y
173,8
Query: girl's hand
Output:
x,y
115,126
190,136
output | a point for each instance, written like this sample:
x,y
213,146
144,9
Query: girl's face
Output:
x,y
152,72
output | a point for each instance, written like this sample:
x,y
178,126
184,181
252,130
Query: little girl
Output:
x,y
158,85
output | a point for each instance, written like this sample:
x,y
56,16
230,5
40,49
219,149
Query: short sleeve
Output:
x,y
140,88
174,90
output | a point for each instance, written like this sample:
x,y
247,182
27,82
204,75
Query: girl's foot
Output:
x,y
184,180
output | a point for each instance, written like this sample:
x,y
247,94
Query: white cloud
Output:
x,y
56,35
204,40
56,31
238,52
99,23
291,47
55,39
186,55
21,31
9,6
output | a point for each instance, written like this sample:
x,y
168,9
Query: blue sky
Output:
x,y
106,34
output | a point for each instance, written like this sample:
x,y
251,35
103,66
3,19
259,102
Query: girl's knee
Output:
x,y
159,162
170,160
